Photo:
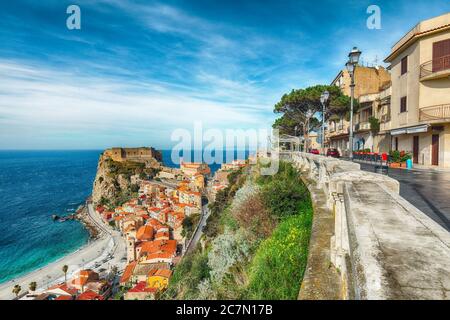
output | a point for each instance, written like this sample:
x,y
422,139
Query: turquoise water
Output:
x,y
33,186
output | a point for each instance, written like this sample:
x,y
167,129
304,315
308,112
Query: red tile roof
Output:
x,y
166,273
145,233
90,295
64,298
142,287
128,272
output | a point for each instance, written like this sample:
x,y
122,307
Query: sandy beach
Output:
x,y
106,251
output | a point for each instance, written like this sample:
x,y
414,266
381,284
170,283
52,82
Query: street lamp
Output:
x,y
353,59
323,100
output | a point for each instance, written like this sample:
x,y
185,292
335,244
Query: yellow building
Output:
x,y
312,143
159,279
368,80
420,101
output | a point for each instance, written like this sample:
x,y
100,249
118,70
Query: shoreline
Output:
x,y
93,231
101,244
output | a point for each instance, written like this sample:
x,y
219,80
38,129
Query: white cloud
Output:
x,y
39,102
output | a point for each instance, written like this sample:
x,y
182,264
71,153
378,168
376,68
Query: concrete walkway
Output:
x,y
398,253
427,190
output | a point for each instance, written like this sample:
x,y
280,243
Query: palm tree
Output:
x,y
16,290
65,268
33,286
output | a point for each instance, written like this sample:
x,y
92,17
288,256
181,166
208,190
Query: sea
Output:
x,y
34,185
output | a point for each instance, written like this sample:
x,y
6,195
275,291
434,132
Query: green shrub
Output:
x,y
284,192
278,266
188,274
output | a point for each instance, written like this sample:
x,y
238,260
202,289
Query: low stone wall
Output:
x,y
383,247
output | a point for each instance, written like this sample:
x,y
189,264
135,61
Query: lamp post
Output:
x,y
353,59
323,100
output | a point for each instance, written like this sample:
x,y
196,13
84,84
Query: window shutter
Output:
x,y
441,55
403,104
405,65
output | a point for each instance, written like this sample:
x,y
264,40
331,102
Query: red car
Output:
x,y
314,151
333,153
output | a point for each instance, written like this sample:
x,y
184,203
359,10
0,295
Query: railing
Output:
x,y
439,112
434,66
369,217
385,118
362,126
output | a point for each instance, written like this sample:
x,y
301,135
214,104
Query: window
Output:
x,y
405,65
403,104
441,55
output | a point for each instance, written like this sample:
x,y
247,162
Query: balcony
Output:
x,y
435,69
435,113
385,118
362,126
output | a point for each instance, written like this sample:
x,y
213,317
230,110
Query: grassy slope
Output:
x,y
273,265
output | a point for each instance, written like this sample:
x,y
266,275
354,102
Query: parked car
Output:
x,y
314,151
333,153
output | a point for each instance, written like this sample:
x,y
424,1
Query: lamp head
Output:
x,y
354,55
350,67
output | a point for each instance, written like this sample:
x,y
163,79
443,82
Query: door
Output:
x,y
396,143
435,150
416,149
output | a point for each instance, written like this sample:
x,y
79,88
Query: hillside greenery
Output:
x,y
255,243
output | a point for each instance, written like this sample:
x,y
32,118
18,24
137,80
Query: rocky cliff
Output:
x,y
113,182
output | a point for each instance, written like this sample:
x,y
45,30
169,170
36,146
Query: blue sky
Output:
x,y
137,70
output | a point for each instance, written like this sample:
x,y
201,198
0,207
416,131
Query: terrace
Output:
x,y
435,69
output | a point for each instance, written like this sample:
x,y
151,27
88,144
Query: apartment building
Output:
x,y
420,100
374,135
368,80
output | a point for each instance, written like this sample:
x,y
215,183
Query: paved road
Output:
x,y
428,190
199,231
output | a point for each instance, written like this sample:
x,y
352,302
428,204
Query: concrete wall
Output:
x,y
383,247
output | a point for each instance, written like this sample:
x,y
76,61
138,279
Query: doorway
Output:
x,y
416,149
435,150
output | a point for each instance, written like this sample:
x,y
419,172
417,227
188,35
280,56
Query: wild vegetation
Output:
x,y
119,178
255,243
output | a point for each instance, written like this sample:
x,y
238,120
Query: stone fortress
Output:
x,y
140,154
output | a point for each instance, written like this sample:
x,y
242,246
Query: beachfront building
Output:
x,y
420,67
368,80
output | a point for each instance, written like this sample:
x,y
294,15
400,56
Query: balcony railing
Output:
x,y
362,126
439,112
385,118
435,67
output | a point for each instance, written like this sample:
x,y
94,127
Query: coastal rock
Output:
x,y
112,180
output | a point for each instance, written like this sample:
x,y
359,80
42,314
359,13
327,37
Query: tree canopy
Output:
x,y
300,108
